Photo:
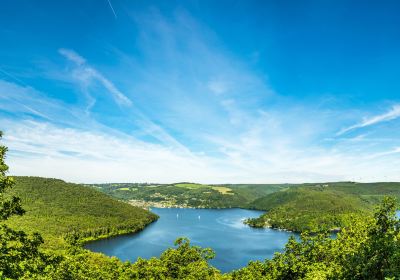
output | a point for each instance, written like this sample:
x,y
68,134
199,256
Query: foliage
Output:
x,y
309,209
366,249
183,262
55,208
19,252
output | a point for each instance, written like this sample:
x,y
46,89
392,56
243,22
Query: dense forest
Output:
x,y
315,207
310,209
55,208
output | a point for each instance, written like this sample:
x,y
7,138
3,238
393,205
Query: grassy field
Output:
x,y
223,190
190,185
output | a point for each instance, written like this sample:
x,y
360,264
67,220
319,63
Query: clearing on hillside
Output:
x,y
190,185
223,190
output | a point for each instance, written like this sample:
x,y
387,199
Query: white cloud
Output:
x,y
72,56
385,153
254,156
42,149
392,114
267,147
86,74
25,102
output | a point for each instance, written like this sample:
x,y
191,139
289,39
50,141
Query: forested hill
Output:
x,y
55,208
296,207
190,194
310,209
238,195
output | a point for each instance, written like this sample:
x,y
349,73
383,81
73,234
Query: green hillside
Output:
x,y
190,194
309,208
55,208
372,192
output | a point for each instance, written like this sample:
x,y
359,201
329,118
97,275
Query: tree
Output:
x,y
19,253
184,262
8,207
369,248
382,253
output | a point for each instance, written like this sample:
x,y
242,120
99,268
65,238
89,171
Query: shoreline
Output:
x,y
88,240
151,204
127,232
167,205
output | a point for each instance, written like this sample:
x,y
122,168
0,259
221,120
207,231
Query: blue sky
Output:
x,y
204,91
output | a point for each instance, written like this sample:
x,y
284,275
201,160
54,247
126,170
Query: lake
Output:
x,y
234,243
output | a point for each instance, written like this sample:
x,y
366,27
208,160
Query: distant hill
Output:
x,y
309,208
296,207
190,194
55,208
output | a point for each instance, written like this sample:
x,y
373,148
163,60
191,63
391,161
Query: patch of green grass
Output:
x,y
190,185
223,190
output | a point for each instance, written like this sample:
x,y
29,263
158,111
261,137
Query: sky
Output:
x,y
201,91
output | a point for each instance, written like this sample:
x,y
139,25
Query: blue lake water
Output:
x,y
234,243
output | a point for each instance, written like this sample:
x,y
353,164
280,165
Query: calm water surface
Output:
x,y
235,244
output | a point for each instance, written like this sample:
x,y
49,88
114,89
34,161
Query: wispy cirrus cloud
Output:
x,y
88,75
25,102
267,147
43,149
393,151
392,114
200,113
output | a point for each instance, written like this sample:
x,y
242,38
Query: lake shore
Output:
x,y
220,229
168,204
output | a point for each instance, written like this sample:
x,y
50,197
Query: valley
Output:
x,y
68,216
295,207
